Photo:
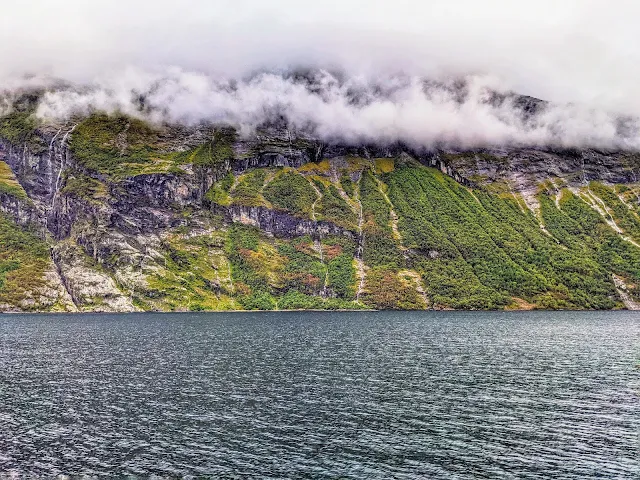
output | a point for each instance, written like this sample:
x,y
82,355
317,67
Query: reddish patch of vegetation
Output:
x,y
306,248
242,288
332,251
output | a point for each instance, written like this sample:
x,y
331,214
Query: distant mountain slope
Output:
x,y
109,213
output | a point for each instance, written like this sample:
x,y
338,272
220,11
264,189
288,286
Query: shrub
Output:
x,y
291,192
23,260
333,208
385,291
258,301
380,247
341,274
248,191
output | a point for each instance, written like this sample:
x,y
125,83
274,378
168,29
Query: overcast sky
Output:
x,y
179,53
584,50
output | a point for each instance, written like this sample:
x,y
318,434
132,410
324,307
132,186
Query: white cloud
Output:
x,y
352,109
181,53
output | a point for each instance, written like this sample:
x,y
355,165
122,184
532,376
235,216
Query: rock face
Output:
x,y
51,296
529,168
37,172
88,287
282,224
161,237
23,212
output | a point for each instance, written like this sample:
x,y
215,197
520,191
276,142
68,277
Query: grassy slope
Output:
x,y
473,249
8,183
482,251
19,128
23,261
121,147
291,192
290,274
623,214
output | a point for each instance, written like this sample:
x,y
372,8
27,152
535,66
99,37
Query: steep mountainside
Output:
x,y
109,213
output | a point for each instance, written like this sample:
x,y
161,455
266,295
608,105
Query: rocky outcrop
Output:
x,y
35,172
434,159
22,212
527,168
623,291
162,190
89,287
294,158
50,296
39,171
281,224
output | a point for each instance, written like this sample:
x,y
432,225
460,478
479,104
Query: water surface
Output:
x,y
323,395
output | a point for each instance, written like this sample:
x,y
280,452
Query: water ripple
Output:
x,y
300,395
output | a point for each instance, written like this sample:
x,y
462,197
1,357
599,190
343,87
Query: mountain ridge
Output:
x,y
139,216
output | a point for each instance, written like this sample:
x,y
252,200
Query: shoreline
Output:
x,y
204,312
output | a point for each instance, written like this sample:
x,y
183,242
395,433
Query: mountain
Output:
x,y
111,213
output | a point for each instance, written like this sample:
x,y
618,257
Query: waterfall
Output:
x,y
63,160
51,157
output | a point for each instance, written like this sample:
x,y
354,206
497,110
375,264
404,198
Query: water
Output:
x,y
322,395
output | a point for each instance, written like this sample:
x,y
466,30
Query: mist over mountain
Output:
x,y
438,73
466,112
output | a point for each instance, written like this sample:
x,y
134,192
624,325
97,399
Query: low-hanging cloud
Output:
x,y
232,62
470,112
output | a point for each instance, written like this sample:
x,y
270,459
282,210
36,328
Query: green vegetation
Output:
x,y
303,270
84,187
484,254
624,217
294,300
291,192
630,194
321,167
248,191
195,276
213,153
475,248
114,144
288,274
333,208
289,270
384,165
8,183
380,248
258,301
347,184
19,128
385,290
219,192
341,274
122,146
599,251
249,266
23,260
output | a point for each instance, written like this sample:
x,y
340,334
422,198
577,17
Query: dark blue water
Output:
x,y
323,395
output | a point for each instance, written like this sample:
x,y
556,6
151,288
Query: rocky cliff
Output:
x,y
108,213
